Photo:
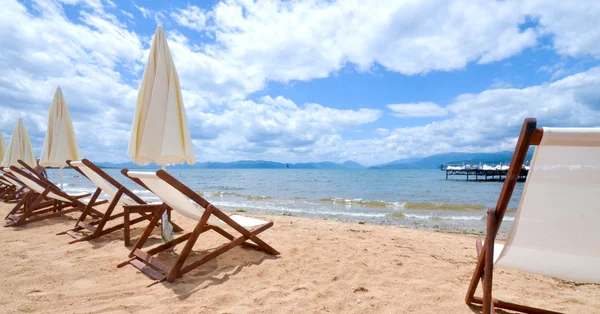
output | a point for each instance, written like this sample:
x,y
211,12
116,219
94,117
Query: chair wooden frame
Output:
x,y
31,195
34,212
12,192
160,270
97,226
28,197
530,136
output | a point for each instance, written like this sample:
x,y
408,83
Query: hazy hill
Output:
x,y
435,161
244,164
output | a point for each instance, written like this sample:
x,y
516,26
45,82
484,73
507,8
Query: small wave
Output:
x,y
397,215
484,218
442,206
216,193
444,217
142,192
263,207
440,217
227,193
79,190
224,188
257,197
360,202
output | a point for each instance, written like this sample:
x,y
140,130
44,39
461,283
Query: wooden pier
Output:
x,y
483,175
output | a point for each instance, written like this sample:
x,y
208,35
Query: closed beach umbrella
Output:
x,y
160,131
60,143
2,146
19,148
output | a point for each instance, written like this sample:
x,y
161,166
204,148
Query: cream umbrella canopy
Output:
x,y
2,146
160,131
60,143
19,148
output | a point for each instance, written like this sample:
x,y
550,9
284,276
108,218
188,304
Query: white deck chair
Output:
x,y
63,202
119,194
180,198
555,232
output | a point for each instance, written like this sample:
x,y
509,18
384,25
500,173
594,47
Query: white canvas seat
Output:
x,y
182,204
40,189
555,231
11,180
101,183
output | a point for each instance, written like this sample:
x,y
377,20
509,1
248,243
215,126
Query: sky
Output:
x,y
301,81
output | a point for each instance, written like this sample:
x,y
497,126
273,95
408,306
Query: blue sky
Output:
x,y
290,81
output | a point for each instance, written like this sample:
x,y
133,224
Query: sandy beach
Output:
x,y
325,267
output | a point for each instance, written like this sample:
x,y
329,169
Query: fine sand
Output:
x,y
324,267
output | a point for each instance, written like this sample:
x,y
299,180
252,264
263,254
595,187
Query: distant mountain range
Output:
x,y
450,158
409,163
243,164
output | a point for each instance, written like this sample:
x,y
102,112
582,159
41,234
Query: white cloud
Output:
x,y
490,121
285,41
573,25
158,16
422,109
127,14
273,127
191,17
44,49
382,131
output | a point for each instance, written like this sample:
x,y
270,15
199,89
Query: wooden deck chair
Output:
x,y
186,202
16,191
31,195
555,232
63,203
6,186
119,195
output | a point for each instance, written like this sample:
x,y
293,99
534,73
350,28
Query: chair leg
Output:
x,y
108,212
126,230
21,203
200,227
153,223
488,270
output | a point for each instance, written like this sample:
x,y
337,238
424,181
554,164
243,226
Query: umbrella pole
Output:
x,y
61,178
166,227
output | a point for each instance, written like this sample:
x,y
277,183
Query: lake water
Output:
x,y
414,198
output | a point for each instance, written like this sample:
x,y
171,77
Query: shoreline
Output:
x,y
324,266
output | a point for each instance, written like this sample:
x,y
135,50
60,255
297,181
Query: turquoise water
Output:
x,y
414,198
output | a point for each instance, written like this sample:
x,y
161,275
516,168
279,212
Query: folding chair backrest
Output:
x,y
170,195
556,229
11,180
35,186
4,182
101,182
